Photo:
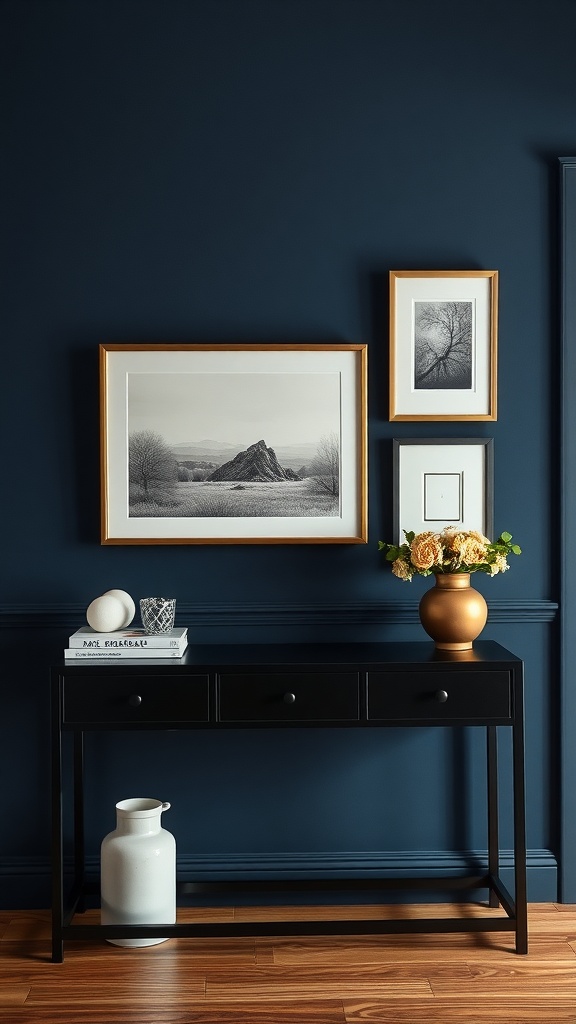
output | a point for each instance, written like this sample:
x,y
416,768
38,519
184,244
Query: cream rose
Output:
x,y
401,570
426,551
471,550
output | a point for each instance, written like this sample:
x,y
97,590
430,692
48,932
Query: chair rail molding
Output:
x,y
359,613
567,379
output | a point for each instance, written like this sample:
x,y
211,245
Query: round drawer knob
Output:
x,y
134,700
441,696
289,698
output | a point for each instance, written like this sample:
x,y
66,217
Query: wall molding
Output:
x,y
567,533
25,881
359,613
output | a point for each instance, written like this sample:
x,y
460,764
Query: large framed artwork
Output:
x,y
442,483
443,344
233,443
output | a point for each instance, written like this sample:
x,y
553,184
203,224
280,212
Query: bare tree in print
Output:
x,y
443,345
325,467
151,463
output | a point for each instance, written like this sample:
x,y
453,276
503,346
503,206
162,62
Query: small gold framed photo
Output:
x,y
443,344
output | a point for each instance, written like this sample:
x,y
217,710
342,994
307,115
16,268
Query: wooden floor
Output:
x,y
311,980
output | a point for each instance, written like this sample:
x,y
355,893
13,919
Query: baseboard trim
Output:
x,y
25,881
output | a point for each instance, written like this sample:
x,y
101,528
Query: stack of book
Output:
x,y
86,644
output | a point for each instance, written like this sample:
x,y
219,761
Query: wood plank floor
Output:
x,y
389,979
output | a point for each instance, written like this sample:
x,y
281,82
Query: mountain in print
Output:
x,y
291,456
257,463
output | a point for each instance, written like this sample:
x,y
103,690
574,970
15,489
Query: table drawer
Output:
x,y
285,697
440,696
121,700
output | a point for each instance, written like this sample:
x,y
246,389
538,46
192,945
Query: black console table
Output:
x,y
374,685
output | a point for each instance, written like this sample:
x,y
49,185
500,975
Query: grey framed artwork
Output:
x,y
233,443
442,483
443,344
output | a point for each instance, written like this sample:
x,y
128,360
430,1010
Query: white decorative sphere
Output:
x,y
106,614
128,603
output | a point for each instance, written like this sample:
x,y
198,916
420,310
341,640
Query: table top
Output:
x,y
358,655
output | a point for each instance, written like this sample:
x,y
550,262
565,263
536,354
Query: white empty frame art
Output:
x,y
233,443
443,494
440,483
443,343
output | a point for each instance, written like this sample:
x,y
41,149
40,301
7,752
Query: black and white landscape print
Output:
x,y
234,445
443,333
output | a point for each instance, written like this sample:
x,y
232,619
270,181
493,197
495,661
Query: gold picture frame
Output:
x,y
443,345
233,443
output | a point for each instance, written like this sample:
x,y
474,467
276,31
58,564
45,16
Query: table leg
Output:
x,y
520,824
493,838
57,839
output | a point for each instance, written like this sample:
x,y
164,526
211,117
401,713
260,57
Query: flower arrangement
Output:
x,y
452,551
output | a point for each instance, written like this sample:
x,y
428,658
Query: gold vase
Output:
x,y
452,612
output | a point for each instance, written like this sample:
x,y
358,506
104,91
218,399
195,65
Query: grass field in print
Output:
x,y
215,499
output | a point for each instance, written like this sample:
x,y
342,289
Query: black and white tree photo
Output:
x,y
443,334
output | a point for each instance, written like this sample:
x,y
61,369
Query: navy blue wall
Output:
x,y
236,170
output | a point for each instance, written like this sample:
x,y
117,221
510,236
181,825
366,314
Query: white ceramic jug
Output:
x,y
138,870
